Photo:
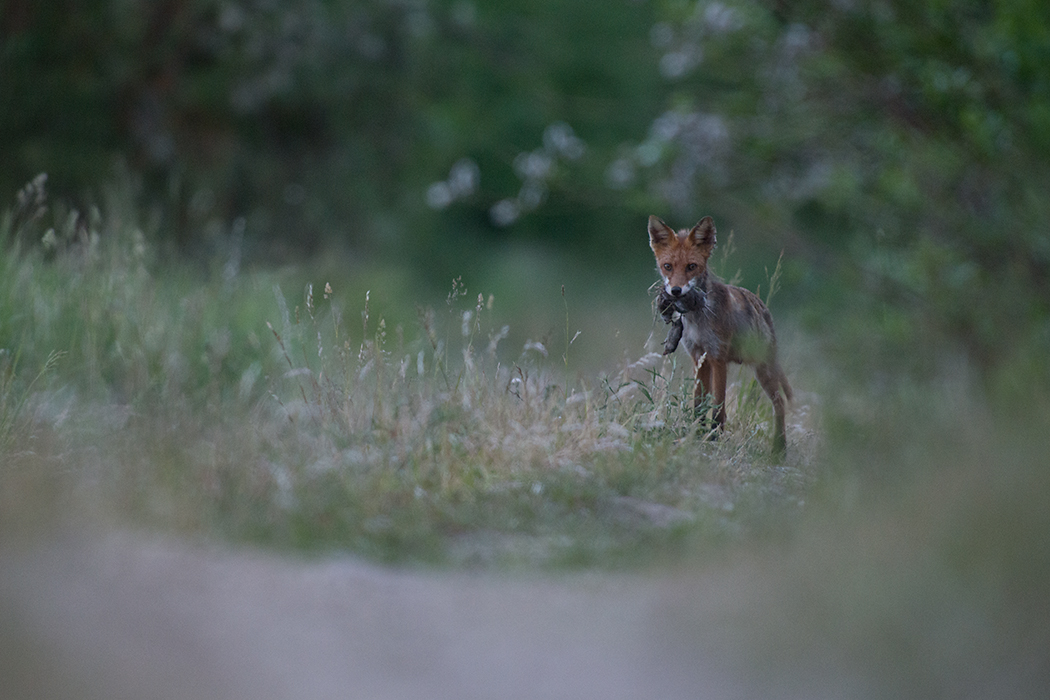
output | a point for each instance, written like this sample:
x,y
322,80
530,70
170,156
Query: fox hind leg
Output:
x,y
719,379
772,378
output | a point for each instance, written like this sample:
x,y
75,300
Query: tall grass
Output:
x,y
217,404
446,438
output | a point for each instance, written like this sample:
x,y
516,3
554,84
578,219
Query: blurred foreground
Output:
x,y
937,588
128,617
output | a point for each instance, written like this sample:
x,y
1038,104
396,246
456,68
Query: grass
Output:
x,y
217,405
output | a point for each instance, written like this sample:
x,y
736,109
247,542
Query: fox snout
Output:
x,y
692,298
693,295
678,291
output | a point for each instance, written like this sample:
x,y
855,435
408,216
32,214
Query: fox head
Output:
x,y
682,257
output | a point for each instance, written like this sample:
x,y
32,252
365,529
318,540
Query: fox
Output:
x,y
718,323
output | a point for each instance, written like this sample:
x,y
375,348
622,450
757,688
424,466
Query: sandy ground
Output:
x,y
126,616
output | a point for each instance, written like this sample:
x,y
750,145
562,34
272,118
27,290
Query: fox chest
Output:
x,y
699,337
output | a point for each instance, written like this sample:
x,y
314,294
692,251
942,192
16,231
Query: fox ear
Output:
x,y
703,235
659,233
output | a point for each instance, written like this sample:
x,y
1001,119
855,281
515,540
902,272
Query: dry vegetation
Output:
x,y
222,407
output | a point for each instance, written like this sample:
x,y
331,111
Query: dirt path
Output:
x,y
123,616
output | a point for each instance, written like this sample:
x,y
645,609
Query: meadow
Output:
x,y
283,407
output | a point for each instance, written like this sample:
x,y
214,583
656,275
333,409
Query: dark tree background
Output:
x,y
897,151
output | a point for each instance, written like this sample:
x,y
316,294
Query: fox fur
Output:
x,y
720,323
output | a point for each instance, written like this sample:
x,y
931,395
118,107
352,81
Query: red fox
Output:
x,y
720,323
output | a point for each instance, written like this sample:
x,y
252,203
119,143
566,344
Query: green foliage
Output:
x,y
937,132
316,117
86,285
823,129
895,151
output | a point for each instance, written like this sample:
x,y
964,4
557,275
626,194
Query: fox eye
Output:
x,y
690,267
667,266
